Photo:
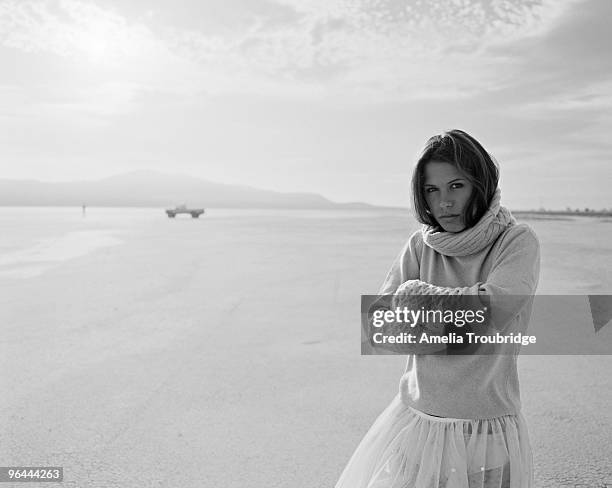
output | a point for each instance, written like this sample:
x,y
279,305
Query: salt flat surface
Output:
x,y
224,351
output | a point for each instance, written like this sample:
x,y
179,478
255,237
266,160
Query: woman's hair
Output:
x,y
465,153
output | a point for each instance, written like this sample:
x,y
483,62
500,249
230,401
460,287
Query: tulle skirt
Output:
x,y
406,448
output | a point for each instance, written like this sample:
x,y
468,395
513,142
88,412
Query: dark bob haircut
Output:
x,y
470,158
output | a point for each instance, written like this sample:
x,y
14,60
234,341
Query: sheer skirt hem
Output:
x,y
406,448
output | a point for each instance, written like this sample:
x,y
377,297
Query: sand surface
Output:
x,y
224,352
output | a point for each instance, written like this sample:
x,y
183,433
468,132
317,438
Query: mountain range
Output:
x,y
153,189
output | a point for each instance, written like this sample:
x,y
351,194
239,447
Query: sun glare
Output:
x,y
96,46
101,41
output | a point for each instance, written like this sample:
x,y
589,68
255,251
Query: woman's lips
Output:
x,y
448,217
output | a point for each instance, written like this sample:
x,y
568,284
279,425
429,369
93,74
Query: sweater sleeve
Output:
x,y
516,269
406,266
513,278
402,280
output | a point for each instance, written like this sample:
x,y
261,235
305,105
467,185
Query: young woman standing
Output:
x,y
456,421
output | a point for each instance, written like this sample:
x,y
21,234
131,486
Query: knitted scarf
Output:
x,y
469,241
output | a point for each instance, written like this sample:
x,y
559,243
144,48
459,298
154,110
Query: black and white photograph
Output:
x,y
306,243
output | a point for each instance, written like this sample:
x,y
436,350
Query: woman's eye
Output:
x,y
457,185
429,190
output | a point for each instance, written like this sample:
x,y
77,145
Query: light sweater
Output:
x,y
469,386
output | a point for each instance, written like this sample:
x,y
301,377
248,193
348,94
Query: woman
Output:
x,y
456,421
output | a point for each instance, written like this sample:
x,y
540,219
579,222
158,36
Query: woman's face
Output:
x,y
447,192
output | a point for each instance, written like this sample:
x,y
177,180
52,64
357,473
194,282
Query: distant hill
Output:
x,y
152,189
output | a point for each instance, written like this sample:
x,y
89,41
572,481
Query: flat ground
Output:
x,y
224,352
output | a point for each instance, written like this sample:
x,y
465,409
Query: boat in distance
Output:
x,y
182,209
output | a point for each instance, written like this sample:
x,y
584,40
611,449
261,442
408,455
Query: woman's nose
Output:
x,y
446,204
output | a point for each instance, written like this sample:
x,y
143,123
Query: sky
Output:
x,y
335,97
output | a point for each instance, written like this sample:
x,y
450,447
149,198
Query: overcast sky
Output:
x,y
330,96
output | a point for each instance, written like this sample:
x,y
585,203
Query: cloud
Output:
x,y
556,89
68,28
361,49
